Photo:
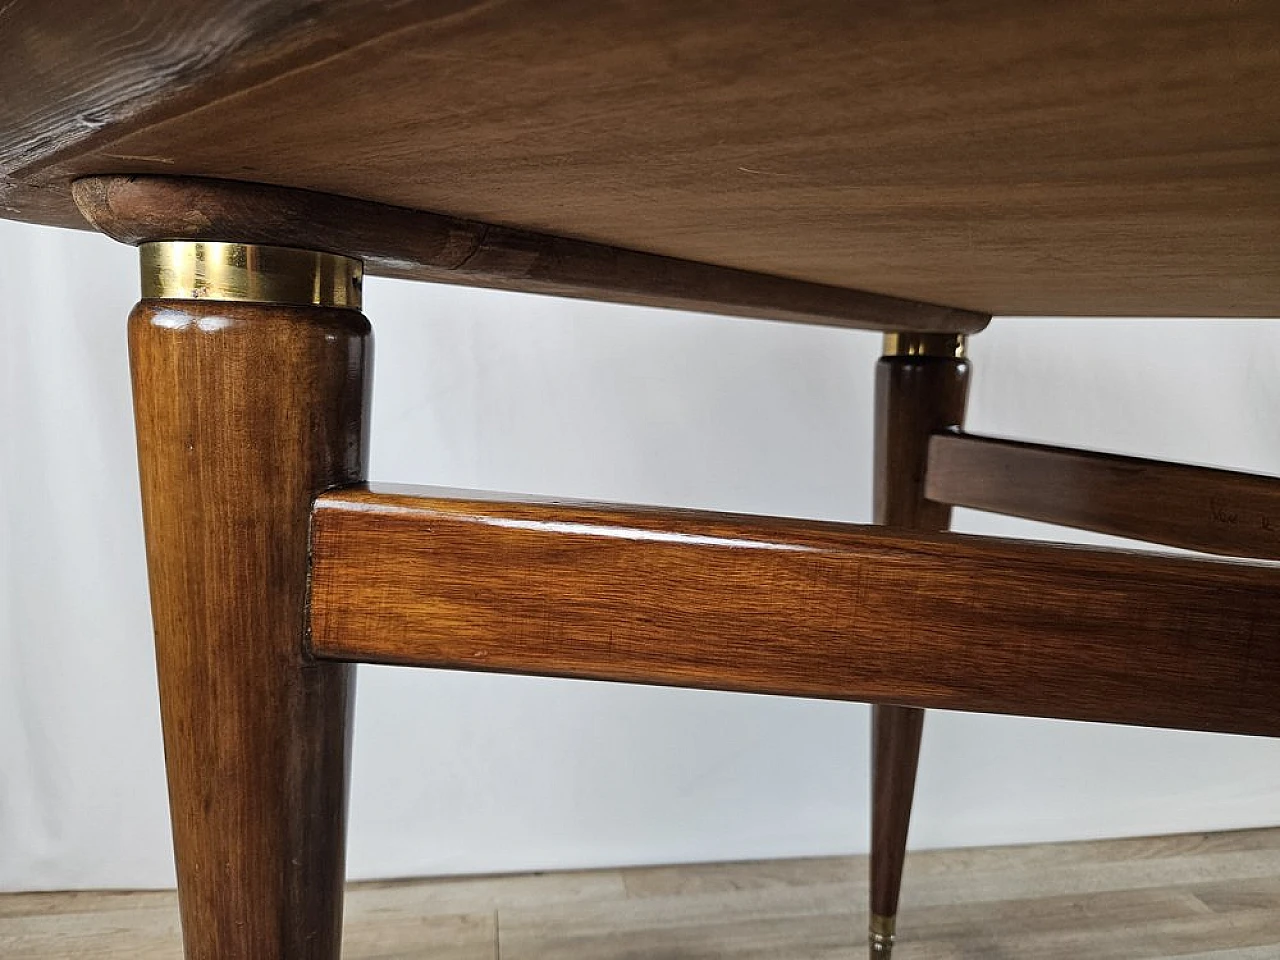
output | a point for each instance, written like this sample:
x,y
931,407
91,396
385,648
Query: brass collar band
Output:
x,y
950,346
251,273
880,936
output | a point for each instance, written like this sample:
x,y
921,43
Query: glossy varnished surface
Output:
x,y
417,576
1196,508
915,397
244,413
1004,156
1195,897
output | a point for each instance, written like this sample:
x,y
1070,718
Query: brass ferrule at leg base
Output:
x,y
949,346
249,273
880,936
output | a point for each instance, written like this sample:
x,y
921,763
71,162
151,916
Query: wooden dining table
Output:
x,y
912,167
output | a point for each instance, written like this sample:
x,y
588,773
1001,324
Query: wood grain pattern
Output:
x,y
469,581
1002,156
1204,897
915,397
895,756
77,73
396,242
1178,505
243,413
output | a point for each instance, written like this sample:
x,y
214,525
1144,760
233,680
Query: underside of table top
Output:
x,y
1003,156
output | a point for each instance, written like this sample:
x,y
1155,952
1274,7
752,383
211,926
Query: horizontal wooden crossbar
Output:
x,y
432,578
1196,508
418,245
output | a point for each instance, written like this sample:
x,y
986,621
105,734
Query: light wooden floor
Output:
x,y
1194,897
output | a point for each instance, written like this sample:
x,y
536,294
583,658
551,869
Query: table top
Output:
x,y
1021,157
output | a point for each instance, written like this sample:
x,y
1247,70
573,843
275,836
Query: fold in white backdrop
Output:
x,y
457,773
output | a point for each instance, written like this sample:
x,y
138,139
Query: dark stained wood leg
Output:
x,y
244,412
895,752
922,383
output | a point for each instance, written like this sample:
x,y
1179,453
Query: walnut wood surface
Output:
x,y
1196,508
895,756
76,74
396,242
796,608
915,397
1004,156
244,412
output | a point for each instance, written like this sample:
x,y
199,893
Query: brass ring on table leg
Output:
x,y
252,273
880,936
950,346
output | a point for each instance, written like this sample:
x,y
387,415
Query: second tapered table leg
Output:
x,y
921,387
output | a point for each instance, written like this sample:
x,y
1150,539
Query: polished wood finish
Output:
x,y
915,396
1019,157
895,756
244,412
1201,896
396,242
1178,505
478,582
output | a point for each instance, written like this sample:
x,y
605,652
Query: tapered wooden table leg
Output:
x,y
922,383
244,412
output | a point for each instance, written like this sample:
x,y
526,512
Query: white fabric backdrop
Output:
x,y
457,773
